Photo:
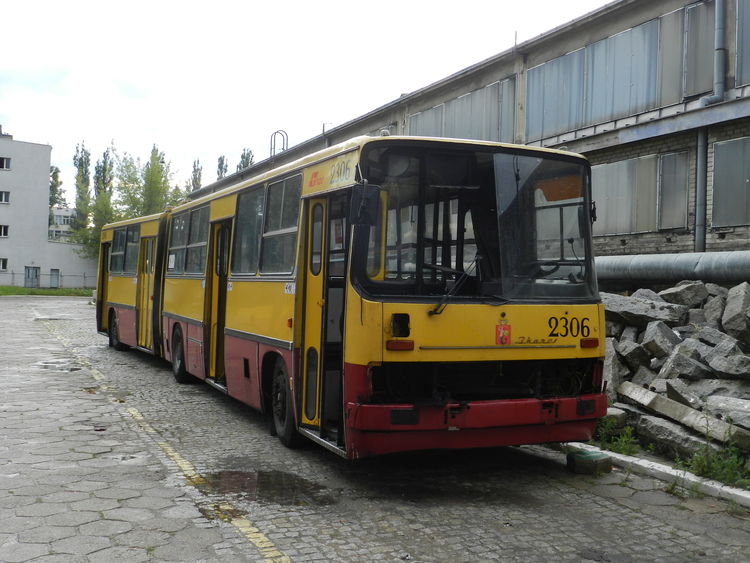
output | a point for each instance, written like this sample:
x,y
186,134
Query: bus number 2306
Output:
x,y
569,326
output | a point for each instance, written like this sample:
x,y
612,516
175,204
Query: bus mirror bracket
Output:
x,y
365,204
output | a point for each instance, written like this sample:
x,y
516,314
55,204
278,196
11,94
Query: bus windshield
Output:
x,y
479,225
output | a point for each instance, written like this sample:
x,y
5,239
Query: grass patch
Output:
x,y
13,290
614,439
726,465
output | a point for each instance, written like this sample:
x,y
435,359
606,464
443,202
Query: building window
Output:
x,y
657,63
641,194
4,163
3,230
743,42
487,113
731,196
4,197
3,264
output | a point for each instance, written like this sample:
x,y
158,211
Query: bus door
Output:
x,y
322,331
102,289
217,295
145,302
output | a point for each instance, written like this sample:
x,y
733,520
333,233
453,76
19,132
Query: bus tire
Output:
x,y
281,407
113,331
178,359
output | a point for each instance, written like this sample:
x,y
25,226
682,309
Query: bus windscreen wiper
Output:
x,y
443,303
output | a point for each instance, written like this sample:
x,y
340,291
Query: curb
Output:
x,y
683,478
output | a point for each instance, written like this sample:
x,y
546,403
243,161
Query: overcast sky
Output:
x,y
210,78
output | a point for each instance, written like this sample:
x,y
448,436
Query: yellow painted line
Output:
x,y
226,512
138,417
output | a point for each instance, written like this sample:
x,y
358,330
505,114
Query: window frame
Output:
x,y
5,163
4,197
4,231
276,234
727,224
659,194
188,246
117,254
3,264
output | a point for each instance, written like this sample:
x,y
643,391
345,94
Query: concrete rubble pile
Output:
x,y
677,365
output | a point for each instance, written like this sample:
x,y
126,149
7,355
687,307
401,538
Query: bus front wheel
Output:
x,y
178,359
281,407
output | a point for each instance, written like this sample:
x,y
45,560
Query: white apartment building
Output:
x,y
27,256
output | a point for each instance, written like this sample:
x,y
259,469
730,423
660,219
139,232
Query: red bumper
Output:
x,y
380,429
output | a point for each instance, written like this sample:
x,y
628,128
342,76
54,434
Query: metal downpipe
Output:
x,y
720,55
701,189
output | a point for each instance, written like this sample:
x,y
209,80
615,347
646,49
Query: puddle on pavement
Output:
x,y
57,365
274,487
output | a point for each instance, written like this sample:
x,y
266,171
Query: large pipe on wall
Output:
x,y
719,267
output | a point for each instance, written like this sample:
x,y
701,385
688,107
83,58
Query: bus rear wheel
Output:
x,y
281,407
178,359
113,331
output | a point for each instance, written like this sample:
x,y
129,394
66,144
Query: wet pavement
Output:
x,y
103,457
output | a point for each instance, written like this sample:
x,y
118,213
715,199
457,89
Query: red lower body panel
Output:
x,y
380,429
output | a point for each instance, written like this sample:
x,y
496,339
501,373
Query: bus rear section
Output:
x,y
472,317
128,285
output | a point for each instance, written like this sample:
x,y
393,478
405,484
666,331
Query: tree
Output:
x,y
195,179
104,173
101,212
55,187
129,172
246,160
155,183
82,162
221,167
55,192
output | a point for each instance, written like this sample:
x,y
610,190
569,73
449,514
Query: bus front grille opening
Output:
x,y
432,383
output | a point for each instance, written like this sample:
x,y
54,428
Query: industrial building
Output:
x,y
656,93
27,256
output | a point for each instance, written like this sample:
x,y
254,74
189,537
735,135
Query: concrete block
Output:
x,y
691,294
588,462
735,320
700,422
640,312
659,339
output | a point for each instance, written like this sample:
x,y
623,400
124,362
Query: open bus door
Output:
x,y
322,355
144,304
102,289
217,296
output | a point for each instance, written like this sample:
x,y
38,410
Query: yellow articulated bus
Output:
x,y
387,294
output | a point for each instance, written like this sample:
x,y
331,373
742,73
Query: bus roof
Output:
x,y
222,188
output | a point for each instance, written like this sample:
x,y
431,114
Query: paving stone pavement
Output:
x,y
103,457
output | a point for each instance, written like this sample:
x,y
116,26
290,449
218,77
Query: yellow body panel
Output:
x,y
470,332
122,289
475,332
261,307
150,228
364,319
184,297
330,174
223,207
